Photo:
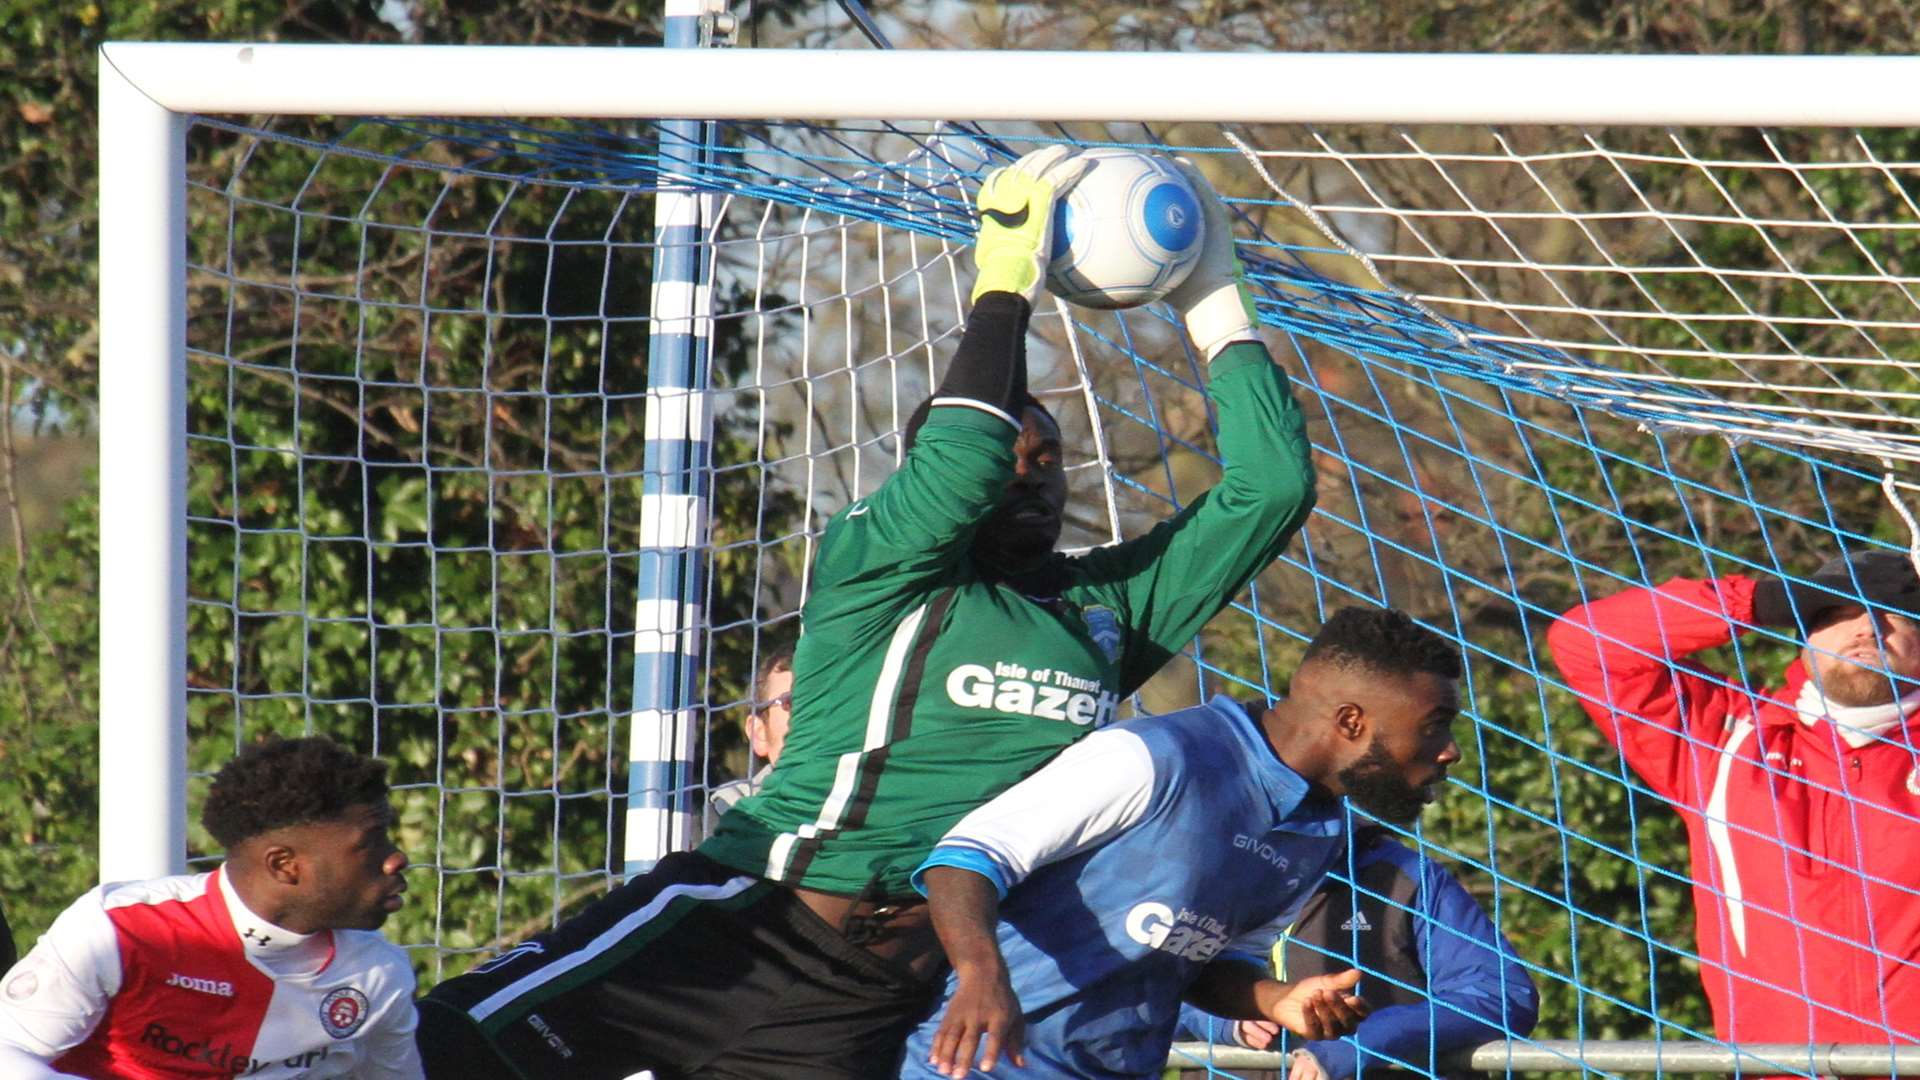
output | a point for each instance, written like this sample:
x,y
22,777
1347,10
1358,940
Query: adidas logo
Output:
x,y
1358,922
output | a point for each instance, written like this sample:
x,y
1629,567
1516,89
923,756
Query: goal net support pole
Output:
x,y
668,620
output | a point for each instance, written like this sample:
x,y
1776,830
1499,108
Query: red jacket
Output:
x,y
1806,852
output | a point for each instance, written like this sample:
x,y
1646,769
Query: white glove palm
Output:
x,y
1214,299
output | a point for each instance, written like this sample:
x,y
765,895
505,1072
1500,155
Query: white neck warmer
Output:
x,y
277,949
1858,725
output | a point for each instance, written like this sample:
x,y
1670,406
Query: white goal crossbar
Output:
x,y
835,84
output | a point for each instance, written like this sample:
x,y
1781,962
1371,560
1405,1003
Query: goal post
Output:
x,y
143,482
1560,325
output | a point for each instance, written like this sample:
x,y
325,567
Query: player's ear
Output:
x,y
1350,720
281,862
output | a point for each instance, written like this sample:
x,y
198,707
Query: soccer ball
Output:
x,y
1127,232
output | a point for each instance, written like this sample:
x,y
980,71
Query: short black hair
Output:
x,y
919,419
283,782
1383,640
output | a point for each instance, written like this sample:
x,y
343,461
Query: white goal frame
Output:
x,y
147,90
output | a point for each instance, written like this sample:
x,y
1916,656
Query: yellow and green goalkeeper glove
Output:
x,y
1016,221
1214,299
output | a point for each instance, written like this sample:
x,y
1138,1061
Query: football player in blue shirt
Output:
x,y
1079,908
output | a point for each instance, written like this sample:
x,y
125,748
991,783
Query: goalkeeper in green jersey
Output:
x,y
948,652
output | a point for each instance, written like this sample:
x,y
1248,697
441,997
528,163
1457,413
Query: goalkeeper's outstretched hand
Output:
x,y
1214,299
1016,220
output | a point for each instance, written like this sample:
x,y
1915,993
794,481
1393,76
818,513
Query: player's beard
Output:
x,y
1375,785
1847,683
370,913
1010,545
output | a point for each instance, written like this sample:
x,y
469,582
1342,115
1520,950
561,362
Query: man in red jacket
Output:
x,y
1802,803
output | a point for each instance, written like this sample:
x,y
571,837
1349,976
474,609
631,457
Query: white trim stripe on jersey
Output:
x,y
846,778
975,403
608,938
1089,793
1721,841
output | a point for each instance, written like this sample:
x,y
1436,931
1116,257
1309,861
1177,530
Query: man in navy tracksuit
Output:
x,y
1122,873
1439,975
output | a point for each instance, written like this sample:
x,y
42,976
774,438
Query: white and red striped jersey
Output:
x,y
175,977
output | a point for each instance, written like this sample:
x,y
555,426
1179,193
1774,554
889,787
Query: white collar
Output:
x,y
274,947
1858,725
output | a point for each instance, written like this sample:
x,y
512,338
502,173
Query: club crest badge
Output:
x,y
1104,626
1913,780
342,1012
23,986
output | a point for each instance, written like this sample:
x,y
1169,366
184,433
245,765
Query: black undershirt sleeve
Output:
x,y
990,366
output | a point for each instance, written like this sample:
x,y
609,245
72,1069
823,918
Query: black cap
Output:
x,y
1876,578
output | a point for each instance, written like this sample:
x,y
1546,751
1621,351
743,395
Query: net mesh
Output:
x,y
1539,365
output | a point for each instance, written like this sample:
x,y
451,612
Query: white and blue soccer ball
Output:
x,y
1127,233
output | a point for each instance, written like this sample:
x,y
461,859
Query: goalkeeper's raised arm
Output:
x,y
1161,588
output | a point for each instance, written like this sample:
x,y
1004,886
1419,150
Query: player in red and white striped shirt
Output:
x,y
271,966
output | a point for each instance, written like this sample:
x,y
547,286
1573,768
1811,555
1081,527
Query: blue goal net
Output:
x,y
510,444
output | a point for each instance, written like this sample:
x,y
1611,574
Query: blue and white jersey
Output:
x,y
1132,859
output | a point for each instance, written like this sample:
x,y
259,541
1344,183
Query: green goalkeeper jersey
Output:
x,y
923,689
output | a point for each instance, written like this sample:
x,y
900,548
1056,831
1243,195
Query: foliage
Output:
x,y
1880,27
47,738
522,614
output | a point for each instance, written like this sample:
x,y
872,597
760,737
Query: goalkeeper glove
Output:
x,y
1016,221
1214,299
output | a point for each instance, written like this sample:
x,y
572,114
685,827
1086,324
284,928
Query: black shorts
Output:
x,y
690,970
